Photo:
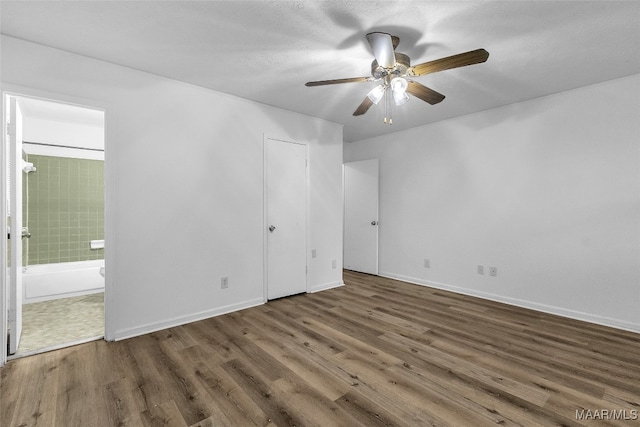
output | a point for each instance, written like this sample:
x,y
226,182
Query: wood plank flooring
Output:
x,y
376,352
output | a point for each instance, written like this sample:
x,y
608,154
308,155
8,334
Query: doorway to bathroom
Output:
x,y
55,200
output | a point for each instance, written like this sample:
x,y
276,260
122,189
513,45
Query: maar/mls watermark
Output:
x,y
607,414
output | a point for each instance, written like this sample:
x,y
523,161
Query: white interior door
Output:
x,y
14,132
361,216
286,218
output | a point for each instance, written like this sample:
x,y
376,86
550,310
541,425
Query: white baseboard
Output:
x,y
181,320
559,311
325,286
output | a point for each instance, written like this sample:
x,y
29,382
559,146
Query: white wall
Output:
x,y
184,182
57,132
547,191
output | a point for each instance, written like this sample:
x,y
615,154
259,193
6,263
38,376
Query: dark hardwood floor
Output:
x,y
376,352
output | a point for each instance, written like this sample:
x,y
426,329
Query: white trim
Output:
x,y
26,92
265,252
544,308
325,286
183,320
3,240
307,209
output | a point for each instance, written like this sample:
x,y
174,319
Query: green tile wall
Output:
x,y
63,206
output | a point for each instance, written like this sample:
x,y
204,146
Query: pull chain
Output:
x,y
387,108
386,105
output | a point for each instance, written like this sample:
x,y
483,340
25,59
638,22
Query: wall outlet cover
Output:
x,y
493,271
481,269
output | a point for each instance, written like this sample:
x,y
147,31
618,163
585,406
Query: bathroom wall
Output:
x,y
63,206
65,133
184,184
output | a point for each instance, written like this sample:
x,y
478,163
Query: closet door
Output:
x,y
361,216
286,218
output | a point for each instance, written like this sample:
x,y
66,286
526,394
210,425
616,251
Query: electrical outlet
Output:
x,y
493,271
224,283
481,269
427,263
313,253
334,264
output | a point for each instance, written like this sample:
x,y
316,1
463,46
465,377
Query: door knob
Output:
x,y
271,228
374,222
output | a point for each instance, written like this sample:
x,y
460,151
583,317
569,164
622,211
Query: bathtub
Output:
x,y
43,282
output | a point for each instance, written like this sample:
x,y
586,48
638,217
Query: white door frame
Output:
x,y
265,220
15,288
26,92
4,321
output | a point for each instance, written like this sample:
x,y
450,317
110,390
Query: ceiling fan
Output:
x,y
394,69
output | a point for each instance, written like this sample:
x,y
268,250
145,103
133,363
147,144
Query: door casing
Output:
x,y
14,135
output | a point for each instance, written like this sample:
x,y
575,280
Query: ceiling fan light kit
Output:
x,y
393,68
400,98
399,89
376,94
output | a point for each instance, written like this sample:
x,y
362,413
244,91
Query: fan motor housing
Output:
x,y
402,65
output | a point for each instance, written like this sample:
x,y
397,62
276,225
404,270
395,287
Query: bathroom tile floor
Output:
x,y
62,321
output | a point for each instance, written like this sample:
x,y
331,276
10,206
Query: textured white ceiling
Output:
x,y
266,50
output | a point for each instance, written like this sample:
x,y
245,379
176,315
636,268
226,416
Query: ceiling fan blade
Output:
x,y
460,60
421,91
382,47
364,107
395,41
336,81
